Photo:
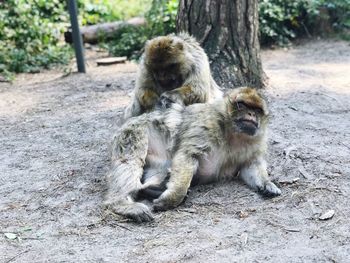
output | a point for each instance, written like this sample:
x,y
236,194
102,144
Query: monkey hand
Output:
x,y
164,103
270,190
169,199
166,99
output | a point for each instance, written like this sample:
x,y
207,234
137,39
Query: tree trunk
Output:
x,y
228,31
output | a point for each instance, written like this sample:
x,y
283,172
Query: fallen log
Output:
x,y
91,34
110,60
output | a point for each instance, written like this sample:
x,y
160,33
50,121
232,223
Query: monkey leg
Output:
x,y
124,185
256,177
124,179
182,170
154,179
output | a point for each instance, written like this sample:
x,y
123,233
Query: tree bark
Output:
x,y
228,31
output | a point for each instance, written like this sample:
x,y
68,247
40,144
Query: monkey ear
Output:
x,y
233,96
147,43
232,99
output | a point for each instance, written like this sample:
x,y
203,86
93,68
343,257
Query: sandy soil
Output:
x,y
54,137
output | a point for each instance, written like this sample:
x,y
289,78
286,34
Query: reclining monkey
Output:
x,y
162,152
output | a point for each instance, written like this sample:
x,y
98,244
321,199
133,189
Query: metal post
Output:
x,y
77,39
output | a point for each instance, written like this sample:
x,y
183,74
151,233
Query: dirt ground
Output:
x,y
54,138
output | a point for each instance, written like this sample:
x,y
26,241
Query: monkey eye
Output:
x,y
259,111
241,105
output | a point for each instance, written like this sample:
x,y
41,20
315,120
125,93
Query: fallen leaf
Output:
x,y
290,181
327,215
243,214
26,228
244,238
10,236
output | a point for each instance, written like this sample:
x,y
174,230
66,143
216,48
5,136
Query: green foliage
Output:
x,y
129,42
29,34
282,20
98,11
31,30
279,19
338,10
161,17
160,21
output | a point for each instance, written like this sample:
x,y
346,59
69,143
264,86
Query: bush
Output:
x,y
160,21
128,41
282,20
98,11
338,12
30,31
161,17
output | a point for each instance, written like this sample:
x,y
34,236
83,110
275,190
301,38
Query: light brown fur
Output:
x,y
173,69
168,150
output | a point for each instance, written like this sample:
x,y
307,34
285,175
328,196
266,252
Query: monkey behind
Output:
x,y
173,69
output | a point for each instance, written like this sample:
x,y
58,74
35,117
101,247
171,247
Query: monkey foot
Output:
x,y
137,211
161,207
270,190
140,213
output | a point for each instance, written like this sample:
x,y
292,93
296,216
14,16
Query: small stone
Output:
x,y
327,215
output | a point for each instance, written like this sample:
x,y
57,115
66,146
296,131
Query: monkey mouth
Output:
x,y
168,84
248,122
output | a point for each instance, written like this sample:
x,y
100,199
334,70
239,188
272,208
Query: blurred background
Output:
x,y
35,34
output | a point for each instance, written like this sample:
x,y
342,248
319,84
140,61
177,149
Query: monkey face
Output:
x,y
248,111
165,58
167,76
247,119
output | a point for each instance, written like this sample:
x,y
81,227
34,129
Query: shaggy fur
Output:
x,y
173,68
200,143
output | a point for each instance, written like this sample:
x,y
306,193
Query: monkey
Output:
x,y
162,153
173,69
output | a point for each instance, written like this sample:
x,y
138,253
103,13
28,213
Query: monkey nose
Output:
x,y
251,114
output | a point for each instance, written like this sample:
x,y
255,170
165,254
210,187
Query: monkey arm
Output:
x,y
183,168
255,176
143,101
200,87
185,95
144,96
133,109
